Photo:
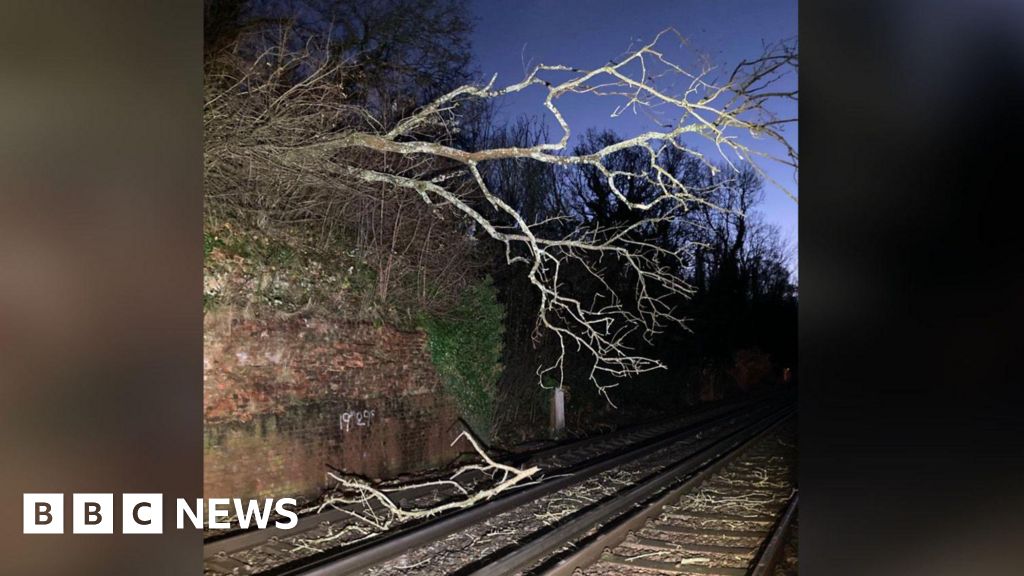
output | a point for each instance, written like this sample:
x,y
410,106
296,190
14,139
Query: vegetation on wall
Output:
x,y
465,345
339,186
283,271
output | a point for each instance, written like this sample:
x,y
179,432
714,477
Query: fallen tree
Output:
x,y
281,123
375,511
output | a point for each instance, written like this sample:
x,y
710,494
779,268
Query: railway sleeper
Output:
x,y
668,567
680,514
690,529
738,550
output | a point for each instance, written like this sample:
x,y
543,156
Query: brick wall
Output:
x,y
284,398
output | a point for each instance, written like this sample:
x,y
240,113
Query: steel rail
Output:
x,y
585,443
589,550
251,538
354,560
772,548
529,554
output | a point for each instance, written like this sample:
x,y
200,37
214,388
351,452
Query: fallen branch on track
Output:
x,y
380,513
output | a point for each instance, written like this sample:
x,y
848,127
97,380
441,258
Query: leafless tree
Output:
x,y
304,137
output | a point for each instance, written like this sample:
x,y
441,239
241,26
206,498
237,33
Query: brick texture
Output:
x,y
286,398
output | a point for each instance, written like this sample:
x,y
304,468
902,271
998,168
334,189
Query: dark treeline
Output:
x,y
741,330
394,56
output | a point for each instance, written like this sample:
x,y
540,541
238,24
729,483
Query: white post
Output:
x,y
558,411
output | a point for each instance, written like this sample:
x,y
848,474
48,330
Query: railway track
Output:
x,y
731,519
580,478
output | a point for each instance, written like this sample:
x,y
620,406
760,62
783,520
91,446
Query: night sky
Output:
x,y
512,36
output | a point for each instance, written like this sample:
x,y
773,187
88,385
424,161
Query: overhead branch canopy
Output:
x,y
305,132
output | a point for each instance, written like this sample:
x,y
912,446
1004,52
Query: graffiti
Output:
x,y
360,418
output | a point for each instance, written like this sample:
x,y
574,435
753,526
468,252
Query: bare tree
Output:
x,y
303,133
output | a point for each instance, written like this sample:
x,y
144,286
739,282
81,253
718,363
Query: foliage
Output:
x,y
282,271
315,122
278,74
465,345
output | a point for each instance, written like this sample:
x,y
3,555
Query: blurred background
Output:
x,y
911,289
100,272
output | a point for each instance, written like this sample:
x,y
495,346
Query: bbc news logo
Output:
x,y
43,513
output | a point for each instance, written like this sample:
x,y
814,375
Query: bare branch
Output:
x,y
307,135
380,512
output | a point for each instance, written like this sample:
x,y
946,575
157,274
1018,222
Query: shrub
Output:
x,y
465,346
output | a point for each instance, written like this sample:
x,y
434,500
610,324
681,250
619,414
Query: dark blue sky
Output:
x,y
512,35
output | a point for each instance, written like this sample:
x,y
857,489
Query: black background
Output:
x,y
911,288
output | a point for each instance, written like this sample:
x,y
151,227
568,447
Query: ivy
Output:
x,y
465,346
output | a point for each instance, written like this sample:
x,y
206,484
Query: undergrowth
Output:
x,y
283,272
465,346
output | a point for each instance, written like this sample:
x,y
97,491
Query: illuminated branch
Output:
x,y
378,512
306,133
